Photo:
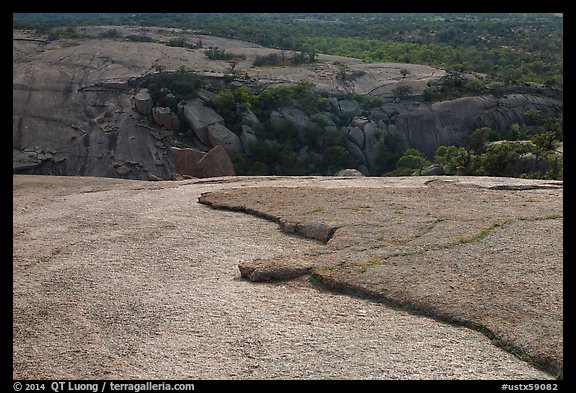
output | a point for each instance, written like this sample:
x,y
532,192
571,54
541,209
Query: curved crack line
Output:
x,y
309,230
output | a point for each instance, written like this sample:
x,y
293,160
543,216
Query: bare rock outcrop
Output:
x,y
464,250
80,106
196,163
349,108
143,102
199,117
434,170
216,163
219,135
428,126
349,172
247,137
165,118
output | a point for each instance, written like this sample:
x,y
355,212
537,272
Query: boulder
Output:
x,y
196,163
356,135
356,153
349,108
298,118
247,137
199,117
370,132
379,114
165,118
392,129
333,101
216,163
359,121
250,119
185,160
433,170
276,120
143,103
218,135
205,95
349,172
24,160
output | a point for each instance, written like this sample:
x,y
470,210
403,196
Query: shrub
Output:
x,y
544,140
270,59
402,92
139,38
451,157
502,159
111,33
477,140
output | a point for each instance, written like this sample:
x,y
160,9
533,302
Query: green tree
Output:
x,y
451,157
501,159
402,92
392,148
545,140
477,140
412,159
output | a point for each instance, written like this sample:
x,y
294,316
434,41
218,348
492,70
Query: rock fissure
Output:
x,y
471,265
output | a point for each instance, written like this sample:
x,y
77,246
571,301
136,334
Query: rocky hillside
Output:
x,y
80,108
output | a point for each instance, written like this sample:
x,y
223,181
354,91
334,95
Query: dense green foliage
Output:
x,y
526,152
512,48
281,148
167,89
294,58
453,85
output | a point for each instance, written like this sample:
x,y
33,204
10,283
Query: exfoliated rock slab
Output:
x,y
165,118
219,135
186,160
216,163
486,253
199,117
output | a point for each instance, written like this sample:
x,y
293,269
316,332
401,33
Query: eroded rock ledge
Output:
x,y
485,253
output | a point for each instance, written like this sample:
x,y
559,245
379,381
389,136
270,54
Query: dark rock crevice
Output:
x,y
309,229
326,282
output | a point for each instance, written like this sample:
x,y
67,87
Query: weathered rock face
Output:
x,y
165,118
349,108
356,135
196,163
216,163
427,127
143,103
247,137
218,135
186,159
199,117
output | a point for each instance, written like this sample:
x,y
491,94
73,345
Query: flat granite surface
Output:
x,y
470,251
450,277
